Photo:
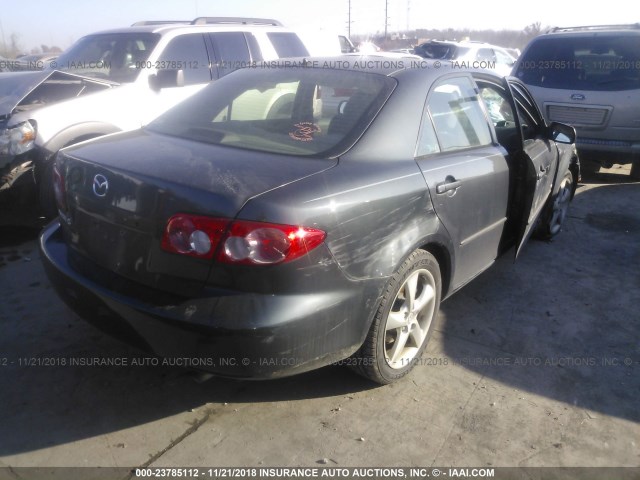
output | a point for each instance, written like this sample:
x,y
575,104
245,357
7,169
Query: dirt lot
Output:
x,y
533,364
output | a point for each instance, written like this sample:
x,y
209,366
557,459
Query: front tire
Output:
x,y
556,213
403,322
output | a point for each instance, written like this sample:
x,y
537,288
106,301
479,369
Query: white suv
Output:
x,y
114,81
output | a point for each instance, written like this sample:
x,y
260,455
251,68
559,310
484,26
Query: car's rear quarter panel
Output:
x,y
374,204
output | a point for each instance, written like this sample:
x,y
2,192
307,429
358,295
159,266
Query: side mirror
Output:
x,y
166,79
561,133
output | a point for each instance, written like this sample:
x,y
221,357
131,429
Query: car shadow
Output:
x,y
64,404
12,240
608,176
11,236
562,322
569,305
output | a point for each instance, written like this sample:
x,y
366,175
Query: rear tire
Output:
x,y
403,322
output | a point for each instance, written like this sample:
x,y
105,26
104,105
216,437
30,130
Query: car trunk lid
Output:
x,y
121,192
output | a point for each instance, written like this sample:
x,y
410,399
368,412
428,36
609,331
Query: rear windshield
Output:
x,y
440,51
298,111
602,62
118,57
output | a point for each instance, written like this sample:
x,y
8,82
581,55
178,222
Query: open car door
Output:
x,y
540,158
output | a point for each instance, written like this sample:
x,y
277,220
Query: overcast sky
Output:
x,y
61,22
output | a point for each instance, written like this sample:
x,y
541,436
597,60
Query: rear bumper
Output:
x,y
608,151
232,334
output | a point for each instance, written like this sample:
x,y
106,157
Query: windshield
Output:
x,y
603,62
117,57
298,111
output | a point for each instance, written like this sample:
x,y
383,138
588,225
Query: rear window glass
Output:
x,y
308,112
440,51
602,62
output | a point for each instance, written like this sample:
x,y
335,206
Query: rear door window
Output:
x,y
189,54
287,44
232,51
457,114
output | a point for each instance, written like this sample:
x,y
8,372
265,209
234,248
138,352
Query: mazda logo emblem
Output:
x,y
100,185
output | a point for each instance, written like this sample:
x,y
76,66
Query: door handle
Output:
x,y
450,183
543,171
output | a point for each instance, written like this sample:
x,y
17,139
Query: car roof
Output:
x,y
590,30
466,43
208,24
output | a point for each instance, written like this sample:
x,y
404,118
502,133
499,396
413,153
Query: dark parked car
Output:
x,y
6,65
289,217
39,61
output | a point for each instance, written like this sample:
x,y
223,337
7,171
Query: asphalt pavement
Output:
x,y
535,363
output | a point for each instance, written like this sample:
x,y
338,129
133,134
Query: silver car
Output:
x,y
468,54
589,77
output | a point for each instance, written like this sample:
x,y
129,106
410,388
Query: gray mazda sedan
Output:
x,y
304,213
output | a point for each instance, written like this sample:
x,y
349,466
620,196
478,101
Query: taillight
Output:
x,y
59,189
265,243
193,235
239,242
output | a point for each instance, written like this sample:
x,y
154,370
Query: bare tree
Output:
x,y
14,48
533,30
505,38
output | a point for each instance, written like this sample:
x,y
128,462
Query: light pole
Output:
x,y
4,42
386,17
